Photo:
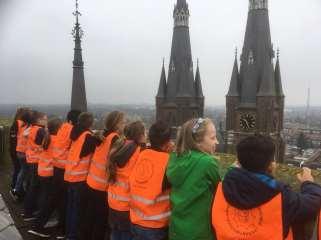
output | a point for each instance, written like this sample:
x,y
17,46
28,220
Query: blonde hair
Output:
x,y
191,134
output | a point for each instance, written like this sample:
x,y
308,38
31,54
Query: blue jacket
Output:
x,y
246,190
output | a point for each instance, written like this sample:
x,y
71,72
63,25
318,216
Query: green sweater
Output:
x,y
193,177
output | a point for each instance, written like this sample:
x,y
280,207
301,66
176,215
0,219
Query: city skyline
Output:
x,y
122,60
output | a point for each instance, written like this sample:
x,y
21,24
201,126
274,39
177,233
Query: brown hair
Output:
x,y
20,112
191,134
121,151
112,120
53,127
85,120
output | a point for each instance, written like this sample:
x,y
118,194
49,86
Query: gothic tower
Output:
x,y
180,96
78,95
255,100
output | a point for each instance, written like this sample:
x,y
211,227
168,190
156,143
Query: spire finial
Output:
x,y
76,13
77,32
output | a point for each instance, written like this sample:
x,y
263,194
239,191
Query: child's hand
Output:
x,y
305,176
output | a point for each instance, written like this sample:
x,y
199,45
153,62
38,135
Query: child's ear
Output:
x,y
272,167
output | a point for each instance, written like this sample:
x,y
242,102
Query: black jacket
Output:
x,y
246,190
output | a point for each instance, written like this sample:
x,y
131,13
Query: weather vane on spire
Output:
x,y
77,31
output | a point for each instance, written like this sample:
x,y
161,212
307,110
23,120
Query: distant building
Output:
x,y
180,96
78,95
255,100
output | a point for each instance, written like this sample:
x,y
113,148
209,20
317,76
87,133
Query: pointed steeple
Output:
x,y
180,75
234,84
180,98
278,79
198,82
256,70
78,96
162,83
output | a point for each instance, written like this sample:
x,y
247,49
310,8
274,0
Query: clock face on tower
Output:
x,y
247,122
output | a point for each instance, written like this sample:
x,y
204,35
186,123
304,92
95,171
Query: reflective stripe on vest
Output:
x,y
149,205
97,177
152,217
264,222
76,173
76,169
118,197
148,201
45,164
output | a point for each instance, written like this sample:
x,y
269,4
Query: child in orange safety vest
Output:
x,y
122,159
149,188
45,174
35,134
18,147
76,171
96,212
250,204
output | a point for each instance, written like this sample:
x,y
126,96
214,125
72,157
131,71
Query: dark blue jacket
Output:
x,y
246,190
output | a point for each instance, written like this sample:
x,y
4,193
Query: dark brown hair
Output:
x,y
121,150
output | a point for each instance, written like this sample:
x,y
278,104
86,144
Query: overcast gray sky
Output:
x,y
125,42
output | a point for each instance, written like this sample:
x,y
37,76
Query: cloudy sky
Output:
x,y
125,42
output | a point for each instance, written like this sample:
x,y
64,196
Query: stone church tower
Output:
x,y
180,96
78,95
255,100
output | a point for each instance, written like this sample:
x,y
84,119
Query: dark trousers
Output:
x,y
141,233
31,199
47,204
95,221
60,194
76,202
16,168
22,175
120,225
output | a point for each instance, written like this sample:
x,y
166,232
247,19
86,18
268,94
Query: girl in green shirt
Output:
x,y
193,174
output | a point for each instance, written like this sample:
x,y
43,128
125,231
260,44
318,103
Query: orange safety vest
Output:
x,y
149,205
76,169
118,192
264,222
45,164
97,176
21,140
62,145
33,150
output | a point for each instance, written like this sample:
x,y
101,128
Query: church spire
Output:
x,y
278,79
234,84
198,82
180,98
162,83
256,69
78,96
